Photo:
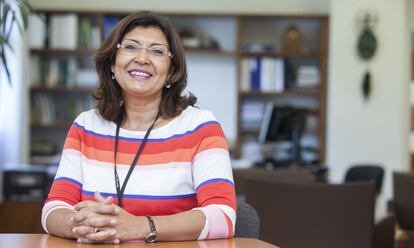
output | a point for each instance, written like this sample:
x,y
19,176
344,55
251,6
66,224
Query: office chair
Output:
x,y
404,199
314,215
363,173
403,205
247,221
291,175
384,232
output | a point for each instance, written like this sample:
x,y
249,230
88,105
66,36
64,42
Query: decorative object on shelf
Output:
x,y
13,12
293,41
366,47
193,39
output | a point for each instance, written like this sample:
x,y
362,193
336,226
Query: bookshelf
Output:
x,y
291,89
56,100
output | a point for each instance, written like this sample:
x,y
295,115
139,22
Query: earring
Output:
x,y
113,76
167,85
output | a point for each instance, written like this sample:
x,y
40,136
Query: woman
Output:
x,y
146,164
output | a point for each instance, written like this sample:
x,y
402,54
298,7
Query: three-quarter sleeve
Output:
x,y
214,184
66,188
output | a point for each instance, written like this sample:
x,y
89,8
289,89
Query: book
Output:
x,y
265,74
36,31
63,31
85,33
109,23
255,68
307,75
245,74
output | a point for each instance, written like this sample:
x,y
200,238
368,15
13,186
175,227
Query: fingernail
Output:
x,y
74,230
79,240
116,241
116,210
112,221
112,233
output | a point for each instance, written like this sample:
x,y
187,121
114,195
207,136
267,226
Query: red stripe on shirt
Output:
x,y
217,193
66,191
185,141
141,207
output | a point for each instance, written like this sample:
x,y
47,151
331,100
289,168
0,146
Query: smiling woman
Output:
x,y
171,158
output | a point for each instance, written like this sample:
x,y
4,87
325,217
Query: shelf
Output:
x,y
250,131
50,126
62,52
209,52
281,54
62,89
293,92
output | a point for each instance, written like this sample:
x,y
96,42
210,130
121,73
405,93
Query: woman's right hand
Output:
x,y
95,218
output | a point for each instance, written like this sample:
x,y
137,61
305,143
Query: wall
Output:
x,y
13,106
373,131
410,10
188,6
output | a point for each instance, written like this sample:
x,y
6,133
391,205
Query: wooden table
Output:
x,y
47,241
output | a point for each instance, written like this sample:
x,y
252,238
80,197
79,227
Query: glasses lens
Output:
x,y
134,50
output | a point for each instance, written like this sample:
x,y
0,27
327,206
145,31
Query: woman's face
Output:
x,y
142,62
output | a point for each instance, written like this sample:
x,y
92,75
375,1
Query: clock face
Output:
x,y
367,44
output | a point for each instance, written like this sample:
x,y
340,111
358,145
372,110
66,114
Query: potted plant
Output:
x,y
13,13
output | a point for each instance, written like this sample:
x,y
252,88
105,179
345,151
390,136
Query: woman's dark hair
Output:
x,y
109,94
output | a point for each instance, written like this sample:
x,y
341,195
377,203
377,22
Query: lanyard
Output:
x,y
119,190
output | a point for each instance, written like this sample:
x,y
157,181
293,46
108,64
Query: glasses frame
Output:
x,y
169,54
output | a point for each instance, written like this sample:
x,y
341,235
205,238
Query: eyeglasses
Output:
x,y
156,51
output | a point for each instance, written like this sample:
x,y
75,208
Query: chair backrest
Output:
x,y
404,199
363,173
291,175
314,215
247,222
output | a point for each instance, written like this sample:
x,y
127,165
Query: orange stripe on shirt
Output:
x,y
181,155
212,142
72,143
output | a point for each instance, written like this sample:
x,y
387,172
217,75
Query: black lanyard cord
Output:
x,y
120,191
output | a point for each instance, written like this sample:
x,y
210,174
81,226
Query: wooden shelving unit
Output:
x,y
269,30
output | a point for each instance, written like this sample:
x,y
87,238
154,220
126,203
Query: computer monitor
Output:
x,y
284,123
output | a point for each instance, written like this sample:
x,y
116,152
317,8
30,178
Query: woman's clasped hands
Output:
x,y
101,221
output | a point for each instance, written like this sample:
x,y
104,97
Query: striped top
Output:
x,y
185,165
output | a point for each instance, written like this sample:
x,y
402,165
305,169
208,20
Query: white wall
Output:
x,y
410,11
14,122
373,131
191,6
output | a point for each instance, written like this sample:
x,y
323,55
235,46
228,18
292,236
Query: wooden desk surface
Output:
x,y
47,241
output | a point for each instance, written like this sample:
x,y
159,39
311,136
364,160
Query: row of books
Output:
x,y
61,71
270,74
63,31
57,110
252,114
